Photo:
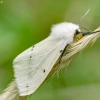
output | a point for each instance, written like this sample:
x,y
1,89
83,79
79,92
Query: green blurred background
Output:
x,y
26,22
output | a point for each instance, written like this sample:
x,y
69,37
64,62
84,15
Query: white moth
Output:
x,y
33,66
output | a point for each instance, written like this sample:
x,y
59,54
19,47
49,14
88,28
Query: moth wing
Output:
x,y
33,65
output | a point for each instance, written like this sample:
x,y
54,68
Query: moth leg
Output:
x,y
62,53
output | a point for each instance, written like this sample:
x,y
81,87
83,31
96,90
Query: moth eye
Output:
x,y
77,32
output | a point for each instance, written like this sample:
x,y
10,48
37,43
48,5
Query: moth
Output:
x,y
46,58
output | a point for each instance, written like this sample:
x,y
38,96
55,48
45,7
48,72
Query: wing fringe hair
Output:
x,y
11,93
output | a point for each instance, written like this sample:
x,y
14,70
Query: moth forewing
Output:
x,y
31,72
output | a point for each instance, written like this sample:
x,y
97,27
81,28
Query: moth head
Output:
x,y
79,34
69,30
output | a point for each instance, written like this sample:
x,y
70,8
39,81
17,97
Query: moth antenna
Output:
x,y
85,29
83,17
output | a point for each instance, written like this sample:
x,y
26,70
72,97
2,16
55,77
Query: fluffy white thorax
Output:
x,y
64,29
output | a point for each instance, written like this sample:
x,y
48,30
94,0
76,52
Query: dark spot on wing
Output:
x,y
27,91
61,51
27,85
30,56
44,70
32,47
